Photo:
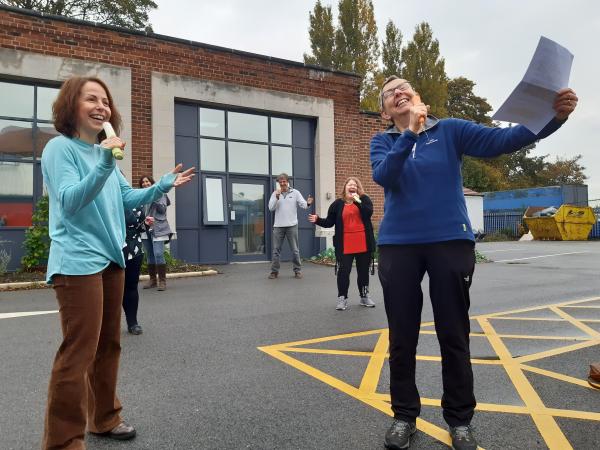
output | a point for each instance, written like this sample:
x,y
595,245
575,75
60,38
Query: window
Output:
x,y
248,158
212,155
248,127
25,128
281,131
213,200
281,160
212,122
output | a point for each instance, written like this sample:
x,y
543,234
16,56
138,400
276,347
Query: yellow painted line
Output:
x,y
590,320
473,333
323,351
544,338
557,351
430,358
571,414
25,314
537,319
582,307
370,378
557,376
328,338
583,327
533,308
547,426
426,427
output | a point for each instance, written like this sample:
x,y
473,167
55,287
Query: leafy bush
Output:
x,y
173,264
37,241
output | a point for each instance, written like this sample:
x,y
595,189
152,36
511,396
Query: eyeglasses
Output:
x,y
390,92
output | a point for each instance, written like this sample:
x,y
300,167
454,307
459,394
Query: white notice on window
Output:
x,y
530,104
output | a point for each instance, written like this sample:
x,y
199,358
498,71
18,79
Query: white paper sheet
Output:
x,y
530,103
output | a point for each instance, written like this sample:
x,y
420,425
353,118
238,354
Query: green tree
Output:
x,y
462,103
425,69
322,36
563,171
122,13
391,51
481,176
356,43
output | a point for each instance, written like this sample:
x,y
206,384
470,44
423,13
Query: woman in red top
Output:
x,y
353,239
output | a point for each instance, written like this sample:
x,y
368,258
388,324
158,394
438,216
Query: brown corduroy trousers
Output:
x,y
83,383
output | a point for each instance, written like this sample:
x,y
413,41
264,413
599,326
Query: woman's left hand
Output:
x,y
182,177
565,103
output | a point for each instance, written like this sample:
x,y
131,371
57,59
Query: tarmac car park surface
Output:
x,y
239,361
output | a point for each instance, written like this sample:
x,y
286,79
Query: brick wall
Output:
x,y
145,54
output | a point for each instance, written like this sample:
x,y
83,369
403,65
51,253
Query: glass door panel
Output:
x,y
247,220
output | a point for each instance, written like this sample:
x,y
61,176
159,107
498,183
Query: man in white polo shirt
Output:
x,y
284,202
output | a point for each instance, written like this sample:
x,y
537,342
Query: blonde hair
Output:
x,y
359,187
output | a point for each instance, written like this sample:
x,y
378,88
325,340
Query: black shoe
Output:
x,y
462,438
398,435
135,329
121,432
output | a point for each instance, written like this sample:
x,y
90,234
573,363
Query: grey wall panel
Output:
x,y
186,151
186,120
303,162
213,244
188,204
187,245
303,134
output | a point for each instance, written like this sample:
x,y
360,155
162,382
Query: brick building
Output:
x,y
239,117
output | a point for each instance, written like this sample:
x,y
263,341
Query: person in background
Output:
x,y
134,256
426,229
284,202
88,197
353,240
158,233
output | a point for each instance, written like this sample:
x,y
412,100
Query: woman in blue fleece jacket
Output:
x,y
88,196
425,228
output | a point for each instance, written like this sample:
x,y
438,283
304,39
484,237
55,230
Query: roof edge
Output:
x,y
161,37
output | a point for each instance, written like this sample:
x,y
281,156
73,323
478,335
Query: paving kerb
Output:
x,y
42,284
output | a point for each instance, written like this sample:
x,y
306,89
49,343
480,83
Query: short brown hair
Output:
x,y
64,109
283,175
386,81
359,186
150,179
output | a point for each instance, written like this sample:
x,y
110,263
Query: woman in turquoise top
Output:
x,y
88,196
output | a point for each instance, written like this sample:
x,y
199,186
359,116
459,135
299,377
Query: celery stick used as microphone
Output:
x,y
356,198
416,100
117,152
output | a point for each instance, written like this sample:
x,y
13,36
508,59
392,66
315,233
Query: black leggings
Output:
x,y
345,267
130,294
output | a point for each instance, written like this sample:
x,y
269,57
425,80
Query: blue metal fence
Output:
x,y
595,234
494,222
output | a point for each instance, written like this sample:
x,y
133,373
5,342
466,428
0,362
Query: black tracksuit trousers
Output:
x,y
450,267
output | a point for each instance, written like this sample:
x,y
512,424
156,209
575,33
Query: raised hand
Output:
x,y
309,200
565,103
183,177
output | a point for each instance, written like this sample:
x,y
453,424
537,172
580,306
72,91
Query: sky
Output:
x,y
487,41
